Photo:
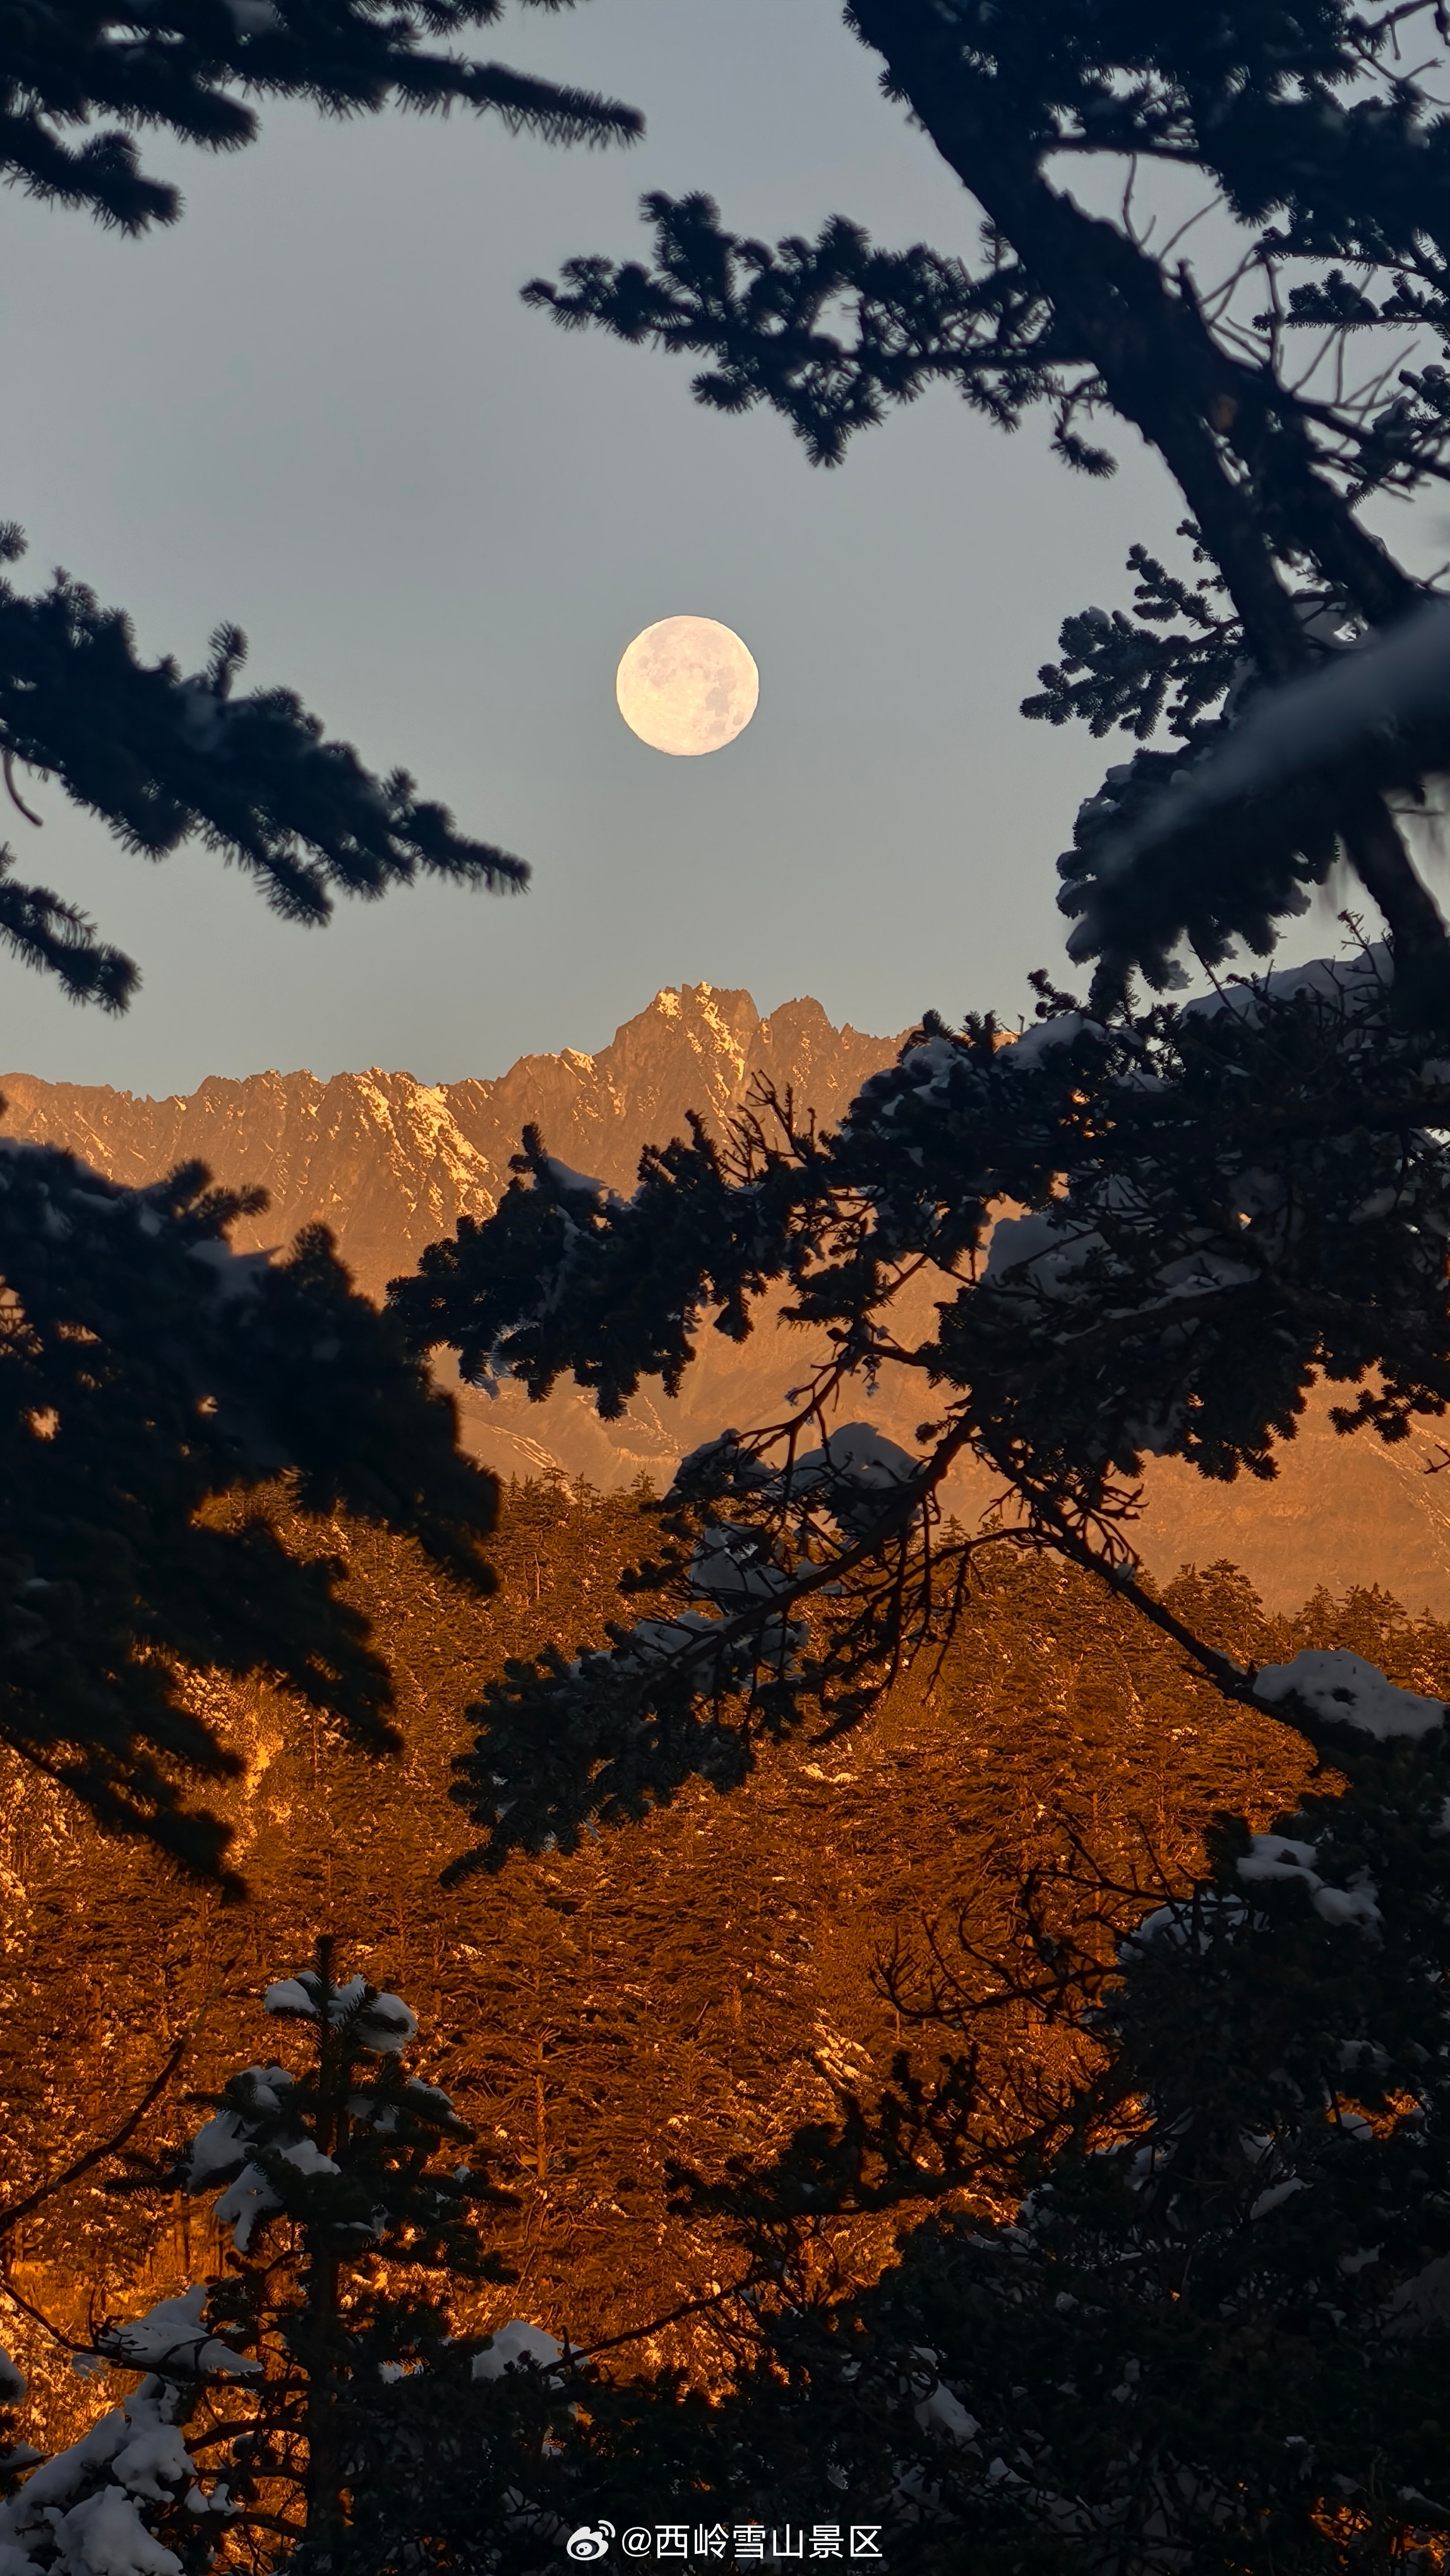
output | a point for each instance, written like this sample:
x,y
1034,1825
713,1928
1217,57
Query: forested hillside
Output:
x,y
692,1988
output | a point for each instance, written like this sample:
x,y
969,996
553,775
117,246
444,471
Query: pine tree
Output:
x,y
1214,2332
148,1373
321,2405
1225,1201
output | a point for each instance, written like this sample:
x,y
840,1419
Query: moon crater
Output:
x,y
686,686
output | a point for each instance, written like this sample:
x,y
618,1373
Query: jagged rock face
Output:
x,y
391,1164
376,1156
696,1049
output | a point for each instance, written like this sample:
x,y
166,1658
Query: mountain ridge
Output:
x,y
391,1164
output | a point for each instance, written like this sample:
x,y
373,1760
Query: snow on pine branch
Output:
x,y
174,2338
382,2024
97,2508
1342,1689
1218,841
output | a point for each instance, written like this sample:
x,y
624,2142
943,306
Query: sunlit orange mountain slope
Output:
x,y
391,1163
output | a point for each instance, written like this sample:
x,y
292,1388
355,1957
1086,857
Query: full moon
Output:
x,y
686,686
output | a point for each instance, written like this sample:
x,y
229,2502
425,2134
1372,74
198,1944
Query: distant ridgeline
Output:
x,y
390,1164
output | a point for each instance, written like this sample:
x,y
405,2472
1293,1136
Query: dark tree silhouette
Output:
x,y
1217,1202
146,1373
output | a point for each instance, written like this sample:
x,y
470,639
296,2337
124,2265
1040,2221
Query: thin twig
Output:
x,y
37,2315
636,2334
11,2218
7,768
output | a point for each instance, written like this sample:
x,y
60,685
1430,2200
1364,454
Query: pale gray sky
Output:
x,y
318,407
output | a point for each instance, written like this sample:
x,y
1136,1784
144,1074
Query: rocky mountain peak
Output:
x,y
391,1164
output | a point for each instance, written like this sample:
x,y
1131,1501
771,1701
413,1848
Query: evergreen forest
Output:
x,y
635,2037
762,2022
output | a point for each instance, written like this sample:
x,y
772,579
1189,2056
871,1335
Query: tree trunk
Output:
x,y
1225,433
324,2431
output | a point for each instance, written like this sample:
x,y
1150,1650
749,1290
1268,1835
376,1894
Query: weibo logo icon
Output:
x,y
589,2541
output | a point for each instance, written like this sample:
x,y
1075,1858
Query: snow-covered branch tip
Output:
x,y
1257,811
